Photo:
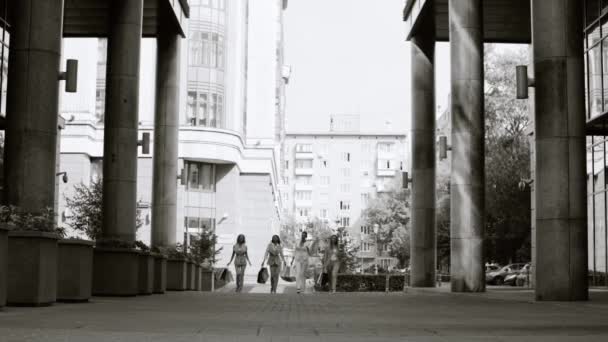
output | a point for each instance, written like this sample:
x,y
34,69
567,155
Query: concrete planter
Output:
x,y
32,268
191,279
3,263
160,274
115,272
198,284
74,270
146,273
207,280
177,274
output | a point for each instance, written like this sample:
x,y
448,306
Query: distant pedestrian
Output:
x,y
241,259
301,254
331,262
276,259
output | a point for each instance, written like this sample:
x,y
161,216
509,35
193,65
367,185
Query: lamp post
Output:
x,y
376,230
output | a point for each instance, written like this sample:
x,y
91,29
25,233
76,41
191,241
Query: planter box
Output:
x,y
177,274
207,280
160,274
191,280
198,285
32,268
115,272
146,273
74,270
3,263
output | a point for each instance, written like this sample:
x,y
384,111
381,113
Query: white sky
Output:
x,y
351,57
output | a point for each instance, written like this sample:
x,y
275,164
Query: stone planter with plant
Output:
x,y
191,279
177,269
160,270
115,261
203,252
32,257
146,269
75,270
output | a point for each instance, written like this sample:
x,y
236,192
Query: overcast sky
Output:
x,y
351,57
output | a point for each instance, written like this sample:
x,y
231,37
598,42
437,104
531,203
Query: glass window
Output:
x,y
203,113
201,176
306,180
303,148
303,164
191,110
213,110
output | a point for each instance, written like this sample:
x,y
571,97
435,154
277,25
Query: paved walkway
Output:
x,y
418,315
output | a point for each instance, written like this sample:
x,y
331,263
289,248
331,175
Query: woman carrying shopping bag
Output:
x,y
240,262
301,254
276,259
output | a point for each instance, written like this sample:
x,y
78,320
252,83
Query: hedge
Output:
x,y
366,283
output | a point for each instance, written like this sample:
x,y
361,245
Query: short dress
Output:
x,y
274,254
240,252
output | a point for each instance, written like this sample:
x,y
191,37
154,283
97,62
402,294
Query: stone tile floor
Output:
x,y
417,315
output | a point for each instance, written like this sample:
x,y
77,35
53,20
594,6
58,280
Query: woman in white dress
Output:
x,y
301,254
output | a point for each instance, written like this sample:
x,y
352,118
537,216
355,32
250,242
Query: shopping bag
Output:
x,y
263,275
288,274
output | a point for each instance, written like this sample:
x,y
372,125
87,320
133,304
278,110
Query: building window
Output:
x,y
344,205
205,109
366,230
345,172
324,213
303,212
385,147
201,176
365,198
345,221
345,188
324,180
303,164
385,164
304,180
206,49
303,148
366,246
303,195
325,163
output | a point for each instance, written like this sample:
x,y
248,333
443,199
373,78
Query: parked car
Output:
x,y
492,268
498,277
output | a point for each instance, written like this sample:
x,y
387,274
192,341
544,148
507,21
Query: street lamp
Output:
x,y
376,230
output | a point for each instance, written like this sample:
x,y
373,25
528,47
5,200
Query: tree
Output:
x,y
86,210
390,211
507,158
442,222
202,247
347,252
289,230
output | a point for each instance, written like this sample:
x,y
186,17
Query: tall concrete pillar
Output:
x,y
166,131
423,239
121,120
467,179
33,103
561,207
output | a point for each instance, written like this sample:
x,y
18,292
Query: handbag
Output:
x,y
287,274
263,275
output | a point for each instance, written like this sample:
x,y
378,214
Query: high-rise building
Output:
x,y
232,104
333,176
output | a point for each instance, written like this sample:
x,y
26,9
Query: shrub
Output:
x,y
361,283
43,221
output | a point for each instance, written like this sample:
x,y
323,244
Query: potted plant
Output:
x,y
115,261
146,269
203,252
32,262
177,269
160,270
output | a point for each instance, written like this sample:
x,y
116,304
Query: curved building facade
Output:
x,y
229,169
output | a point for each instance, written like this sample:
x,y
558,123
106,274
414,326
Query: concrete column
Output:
x,y
121,120
33,103
467,179
166,131
561,207
423,239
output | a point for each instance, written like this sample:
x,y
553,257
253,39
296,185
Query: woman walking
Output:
x,y
275,257
240,262
301,254
331,262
